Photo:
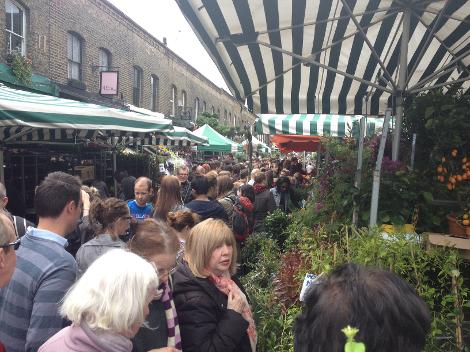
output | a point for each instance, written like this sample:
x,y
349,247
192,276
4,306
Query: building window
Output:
x,y
225,115
230,118
183,99
174,96
15,28
137,86
196,109
204,106
155,83
74,55
218,112
212,110
105,60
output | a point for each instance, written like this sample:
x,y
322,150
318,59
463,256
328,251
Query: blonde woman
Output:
x,y
213,311
107,305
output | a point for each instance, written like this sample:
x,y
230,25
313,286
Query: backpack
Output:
x,y
240,222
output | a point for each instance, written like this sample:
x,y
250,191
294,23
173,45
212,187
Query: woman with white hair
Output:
x,y
107,305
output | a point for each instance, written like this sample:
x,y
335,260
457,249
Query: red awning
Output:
x,y
295,143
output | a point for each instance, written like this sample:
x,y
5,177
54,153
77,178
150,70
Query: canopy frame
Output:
x,y
225,26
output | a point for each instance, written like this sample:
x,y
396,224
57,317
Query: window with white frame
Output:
x,y
155,83
196,109
105,60
183,99
204,106
15,28
137,86
173,98
212,110
74,56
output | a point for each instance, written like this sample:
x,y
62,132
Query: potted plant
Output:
x,y
21,67
454,172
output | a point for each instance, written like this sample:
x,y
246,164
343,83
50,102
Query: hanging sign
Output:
x,y
109,82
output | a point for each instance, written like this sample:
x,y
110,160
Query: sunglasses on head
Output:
x,y
15,244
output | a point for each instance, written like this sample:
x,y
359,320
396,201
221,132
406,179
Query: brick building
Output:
x,y
71,41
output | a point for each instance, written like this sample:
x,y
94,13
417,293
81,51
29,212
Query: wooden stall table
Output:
x,y
439,239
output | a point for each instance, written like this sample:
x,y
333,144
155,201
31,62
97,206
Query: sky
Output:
x,y
163,18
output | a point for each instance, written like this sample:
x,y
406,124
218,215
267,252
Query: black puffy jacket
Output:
x,y
205,322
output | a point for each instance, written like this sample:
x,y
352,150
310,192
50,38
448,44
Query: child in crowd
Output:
x,y
140,208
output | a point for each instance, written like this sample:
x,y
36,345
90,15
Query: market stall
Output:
x,y
257,145
34,121
216,142
315,125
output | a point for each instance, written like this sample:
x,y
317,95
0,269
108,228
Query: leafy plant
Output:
x,y
214,121
351,344
21,67
276,224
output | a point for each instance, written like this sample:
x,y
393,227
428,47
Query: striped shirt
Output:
x,y
29,303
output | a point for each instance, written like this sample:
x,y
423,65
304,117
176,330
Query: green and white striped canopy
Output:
x,y
333,56
217,142
315,124
31,117
179,137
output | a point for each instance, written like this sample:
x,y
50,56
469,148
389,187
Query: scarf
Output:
x,y
105,340
174,336
259,188
225,285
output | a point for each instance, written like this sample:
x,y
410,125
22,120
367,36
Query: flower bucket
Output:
x,y
455,229
405,228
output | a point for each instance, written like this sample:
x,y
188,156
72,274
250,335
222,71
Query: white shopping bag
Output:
x,y
310,279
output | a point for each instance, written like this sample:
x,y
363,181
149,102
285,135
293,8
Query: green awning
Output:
x,y
315,124
31,117
217,142
180,137
39,83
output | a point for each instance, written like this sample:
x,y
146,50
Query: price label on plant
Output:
x,y
310,279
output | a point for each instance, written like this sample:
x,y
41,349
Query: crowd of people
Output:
x,y
155,269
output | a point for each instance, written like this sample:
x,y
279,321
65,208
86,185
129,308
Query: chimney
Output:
x,y
164,41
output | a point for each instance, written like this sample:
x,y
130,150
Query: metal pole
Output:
x,y
114,172
413,152
2,170
405,37
358,177
378,167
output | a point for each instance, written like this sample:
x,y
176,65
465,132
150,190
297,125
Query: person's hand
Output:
x,y
86,202
235,301
164,349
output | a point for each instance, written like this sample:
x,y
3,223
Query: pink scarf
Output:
x,y
225,285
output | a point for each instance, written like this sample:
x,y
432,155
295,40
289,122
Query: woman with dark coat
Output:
x,y
158,244
213,311
264,201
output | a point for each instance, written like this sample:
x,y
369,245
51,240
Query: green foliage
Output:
x,y
351,344
214,121
441,122
435,273
276,225
21,67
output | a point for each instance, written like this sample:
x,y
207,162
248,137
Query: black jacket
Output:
x,y
205,322
264,204
208,209
156,334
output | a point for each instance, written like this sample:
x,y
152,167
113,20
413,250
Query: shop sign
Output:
x,y
109,82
